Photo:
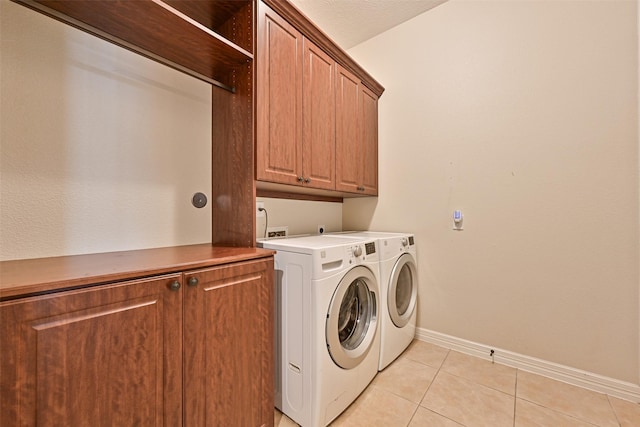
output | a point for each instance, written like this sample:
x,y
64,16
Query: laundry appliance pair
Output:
x,y
331,299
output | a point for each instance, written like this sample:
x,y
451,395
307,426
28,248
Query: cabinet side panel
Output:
x,y
267,334
232,182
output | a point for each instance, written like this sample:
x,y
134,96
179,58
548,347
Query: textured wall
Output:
x,y
101,149
524,115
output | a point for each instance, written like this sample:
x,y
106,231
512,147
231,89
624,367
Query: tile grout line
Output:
x,y
428,388
415,411
431,383
615,414
435,375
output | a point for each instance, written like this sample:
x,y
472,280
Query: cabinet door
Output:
x,y
279,102
228,333
104,356
347,131
369,141
319,143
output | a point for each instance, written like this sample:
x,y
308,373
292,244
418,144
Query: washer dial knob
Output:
x,y
357,251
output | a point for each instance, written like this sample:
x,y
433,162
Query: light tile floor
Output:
x,y
430,386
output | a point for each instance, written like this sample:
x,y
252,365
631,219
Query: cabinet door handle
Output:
x,y
300,179
193,281
307,180
175,285
360,188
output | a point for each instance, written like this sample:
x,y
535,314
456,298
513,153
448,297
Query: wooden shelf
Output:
x,y
191,36
221,16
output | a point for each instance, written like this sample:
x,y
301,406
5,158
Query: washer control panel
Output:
x,y
361,251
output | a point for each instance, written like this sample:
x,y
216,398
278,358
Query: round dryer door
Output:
x,y
403,290
352,318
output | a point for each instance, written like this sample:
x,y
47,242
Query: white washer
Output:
x,y
327,341
398,291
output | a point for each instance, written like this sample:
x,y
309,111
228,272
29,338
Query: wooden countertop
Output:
x,y
43,275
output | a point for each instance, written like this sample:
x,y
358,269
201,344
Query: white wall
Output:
x,y
524,115
101,149
300,216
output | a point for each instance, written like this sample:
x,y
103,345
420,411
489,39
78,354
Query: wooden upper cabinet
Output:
x,y
334,146
348,149
295,107
104,356
368,119
279,111
319,118
356,135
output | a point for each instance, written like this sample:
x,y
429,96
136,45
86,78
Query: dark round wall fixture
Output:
x,y
199,200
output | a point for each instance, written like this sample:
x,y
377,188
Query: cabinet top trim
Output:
x,y
303,24
43,275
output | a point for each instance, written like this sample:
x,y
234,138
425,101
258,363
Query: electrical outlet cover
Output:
x,y
281,231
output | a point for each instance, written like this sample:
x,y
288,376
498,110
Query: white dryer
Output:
x,y
398,291
327,341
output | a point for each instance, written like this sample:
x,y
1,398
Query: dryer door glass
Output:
x,y
403,291
404,288
352,318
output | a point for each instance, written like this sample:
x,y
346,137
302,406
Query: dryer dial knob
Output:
x,y
405,242
357,251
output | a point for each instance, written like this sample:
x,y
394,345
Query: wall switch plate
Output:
x,y
259,214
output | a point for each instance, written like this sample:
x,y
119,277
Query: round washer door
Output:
x,y
352,318
403,290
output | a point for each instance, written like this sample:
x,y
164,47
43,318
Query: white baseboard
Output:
x,y
577,377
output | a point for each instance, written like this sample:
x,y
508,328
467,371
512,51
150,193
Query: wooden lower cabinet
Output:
x,y
102,356
150,352
228,337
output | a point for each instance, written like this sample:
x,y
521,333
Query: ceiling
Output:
x,y
350,22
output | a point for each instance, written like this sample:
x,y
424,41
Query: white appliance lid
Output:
x,y
309,242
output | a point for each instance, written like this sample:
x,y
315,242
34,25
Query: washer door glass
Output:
x,y
352,318
355,315
403,291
